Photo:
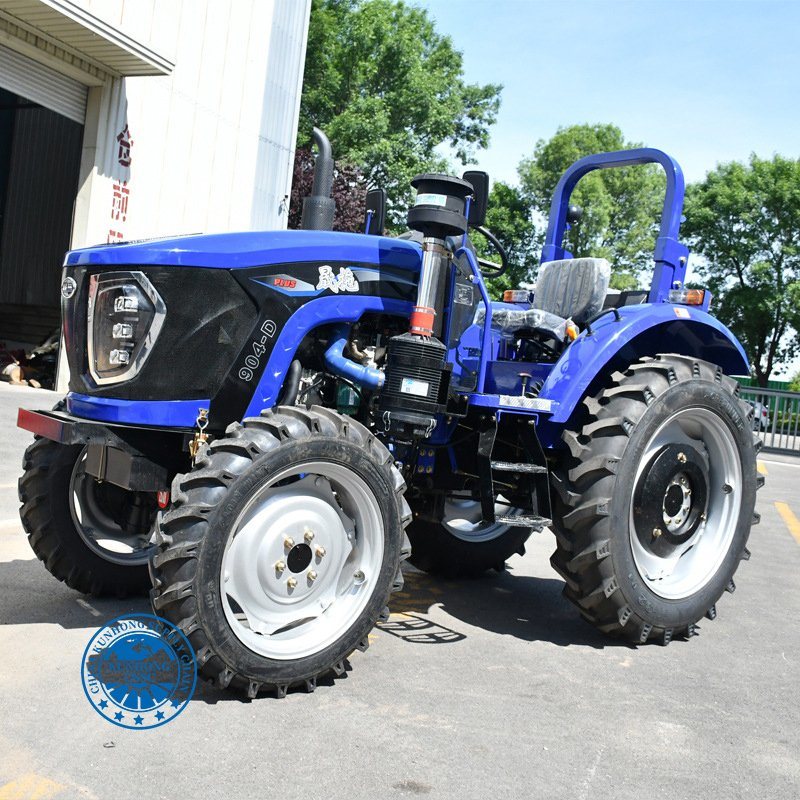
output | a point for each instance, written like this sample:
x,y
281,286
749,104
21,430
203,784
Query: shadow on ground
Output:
x,y
527,608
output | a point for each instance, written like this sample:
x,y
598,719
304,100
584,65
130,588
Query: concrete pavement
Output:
x,y
488,688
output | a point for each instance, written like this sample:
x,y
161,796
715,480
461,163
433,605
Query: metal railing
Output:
x,y
776,418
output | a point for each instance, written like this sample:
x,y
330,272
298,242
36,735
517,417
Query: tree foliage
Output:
x,y
349,192
387,88
745,220
621,207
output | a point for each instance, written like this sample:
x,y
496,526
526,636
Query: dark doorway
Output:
x,y
40,153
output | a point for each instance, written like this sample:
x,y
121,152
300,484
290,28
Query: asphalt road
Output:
x,y
490,688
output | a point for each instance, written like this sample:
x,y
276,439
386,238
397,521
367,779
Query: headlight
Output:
x,y
124,318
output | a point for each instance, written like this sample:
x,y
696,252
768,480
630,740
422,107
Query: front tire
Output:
x,y
91,535
281,548
657,492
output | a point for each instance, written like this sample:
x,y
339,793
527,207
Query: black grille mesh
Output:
x,y
208,318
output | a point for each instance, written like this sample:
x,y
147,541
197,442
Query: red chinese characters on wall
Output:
x,y
125,141
121,191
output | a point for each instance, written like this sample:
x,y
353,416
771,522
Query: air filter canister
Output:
x,y
417,380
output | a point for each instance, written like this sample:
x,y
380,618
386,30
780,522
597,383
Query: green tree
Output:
x,y
794,384
745,220
387,88
621,207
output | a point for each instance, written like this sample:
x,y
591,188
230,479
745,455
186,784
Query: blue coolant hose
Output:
x,y
345,368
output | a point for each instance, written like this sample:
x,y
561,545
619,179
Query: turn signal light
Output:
x,y
516,296
687,297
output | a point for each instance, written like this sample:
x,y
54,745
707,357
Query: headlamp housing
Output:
x,y
125,315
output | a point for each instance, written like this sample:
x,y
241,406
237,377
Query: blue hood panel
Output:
x,y
252,249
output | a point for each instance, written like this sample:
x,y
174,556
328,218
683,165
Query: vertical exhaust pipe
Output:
x,y
319,207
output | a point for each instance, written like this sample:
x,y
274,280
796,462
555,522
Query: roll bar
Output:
x,y
670,255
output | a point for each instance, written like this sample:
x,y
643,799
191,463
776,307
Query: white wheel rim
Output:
x,y
463,518
692,565
101,534
320,525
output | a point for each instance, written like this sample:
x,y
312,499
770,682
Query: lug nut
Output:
x,y
312,576
280,566
308,535
682,458
288,542
656,533
320,551
291,583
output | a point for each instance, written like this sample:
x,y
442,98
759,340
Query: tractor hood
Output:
x,y
252,249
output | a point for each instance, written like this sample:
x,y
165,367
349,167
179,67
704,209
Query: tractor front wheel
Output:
x,y
90,534
657,489
281,548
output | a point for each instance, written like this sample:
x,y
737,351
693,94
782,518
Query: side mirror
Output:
x,y
375,217
480,190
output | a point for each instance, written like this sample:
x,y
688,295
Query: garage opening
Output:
x,y
40,153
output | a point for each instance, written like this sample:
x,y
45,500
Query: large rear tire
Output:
x,y
281,548
657,490
91,535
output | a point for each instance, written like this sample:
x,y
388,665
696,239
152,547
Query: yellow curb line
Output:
x,y
761,468
30,787
791,521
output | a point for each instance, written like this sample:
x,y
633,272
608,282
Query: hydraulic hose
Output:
x,y
339,365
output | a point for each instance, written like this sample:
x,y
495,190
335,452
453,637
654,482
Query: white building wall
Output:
x,y
212,145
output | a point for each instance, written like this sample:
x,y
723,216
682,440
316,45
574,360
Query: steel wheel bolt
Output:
x,y
280,566
308,535
682,458
656,533
312,576
320,552
288,542
291,583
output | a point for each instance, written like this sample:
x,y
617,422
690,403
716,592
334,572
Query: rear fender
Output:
x,y
644,330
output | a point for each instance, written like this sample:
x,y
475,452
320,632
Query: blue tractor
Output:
x,y
261,426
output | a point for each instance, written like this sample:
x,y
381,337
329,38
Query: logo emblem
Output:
x,y
68,287
139,671
345,281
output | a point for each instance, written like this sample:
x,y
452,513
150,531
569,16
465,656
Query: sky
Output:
x,y
707,81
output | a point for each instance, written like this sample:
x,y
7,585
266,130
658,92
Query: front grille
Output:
x,y
206,318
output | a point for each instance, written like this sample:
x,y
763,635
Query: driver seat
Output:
x,y
569,290
572,288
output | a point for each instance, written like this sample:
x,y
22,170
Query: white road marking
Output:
x,y
88,606
780,463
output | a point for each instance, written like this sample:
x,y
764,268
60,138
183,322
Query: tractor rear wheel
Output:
x,y
281,548
657,490
461,545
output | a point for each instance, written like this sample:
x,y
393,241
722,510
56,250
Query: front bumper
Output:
x,y
132,457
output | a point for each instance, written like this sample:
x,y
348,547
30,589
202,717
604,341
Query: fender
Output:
x,y
642,330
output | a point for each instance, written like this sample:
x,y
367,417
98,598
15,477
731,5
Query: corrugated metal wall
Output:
x,y
36,225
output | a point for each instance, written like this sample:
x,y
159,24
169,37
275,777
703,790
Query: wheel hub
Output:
x,y
670,498
303,559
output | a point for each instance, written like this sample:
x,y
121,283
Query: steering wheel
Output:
x,y
492,269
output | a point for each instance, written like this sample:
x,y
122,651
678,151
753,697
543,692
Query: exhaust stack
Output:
x,y
319,207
